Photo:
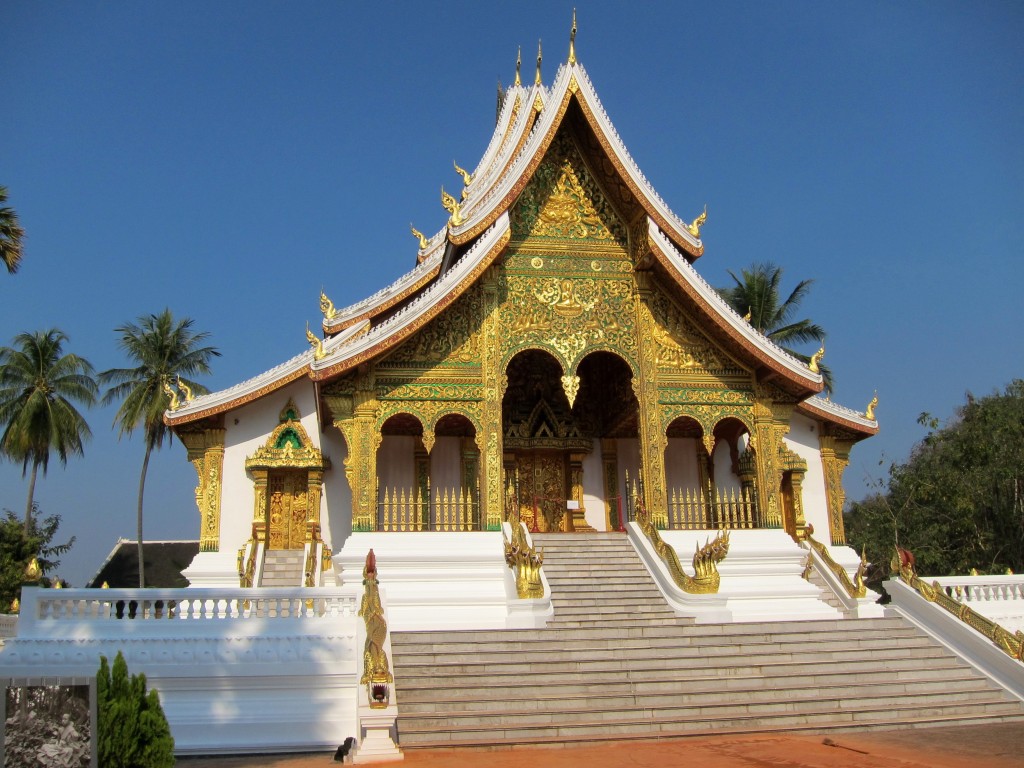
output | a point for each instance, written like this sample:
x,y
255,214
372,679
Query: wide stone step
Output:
x,y
768,676
650,728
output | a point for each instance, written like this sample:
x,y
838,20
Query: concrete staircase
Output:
x,y
282,568
616,664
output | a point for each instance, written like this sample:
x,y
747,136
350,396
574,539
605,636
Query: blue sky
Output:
x,y
228,159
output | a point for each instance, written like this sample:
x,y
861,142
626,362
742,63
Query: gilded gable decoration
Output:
x,y
288,446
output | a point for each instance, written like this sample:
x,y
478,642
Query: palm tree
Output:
x,y
757,294
10,235
167,351
38,383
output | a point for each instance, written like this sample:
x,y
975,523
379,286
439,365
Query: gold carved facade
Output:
x,y
572,281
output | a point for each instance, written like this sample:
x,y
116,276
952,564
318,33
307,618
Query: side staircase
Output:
x,y
615,663
282,568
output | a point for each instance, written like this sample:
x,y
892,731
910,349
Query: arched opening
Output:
x,y
686,475
402,473
732,477
454,475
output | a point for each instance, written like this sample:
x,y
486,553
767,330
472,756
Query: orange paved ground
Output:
x,y
985,746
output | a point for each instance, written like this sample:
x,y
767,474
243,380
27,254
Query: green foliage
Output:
x,y
167,352
133,730
958,501
17,548
11,235
39,385
757,293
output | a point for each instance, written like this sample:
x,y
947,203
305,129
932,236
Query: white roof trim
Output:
x,y
355,344
841,411
727,313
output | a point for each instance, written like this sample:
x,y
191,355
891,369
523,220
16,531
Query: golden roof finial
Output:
x,y
171,395
104,585
536,80
57,583
32,570
519,63
816,358
749,315
419,236
467,177
694,227
186,390
869,412
15,606
572,39
327,306
452,206
316,344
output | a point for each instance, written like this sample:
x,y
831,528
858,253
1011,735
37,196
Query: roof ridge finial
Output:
x,y
536,80
519,63
572,40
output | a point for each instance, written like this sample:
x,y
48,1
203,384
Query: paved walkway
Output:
x,y
983,746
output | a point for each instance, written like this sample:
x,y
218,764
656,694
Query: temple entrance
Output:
x,y
287,508
543,489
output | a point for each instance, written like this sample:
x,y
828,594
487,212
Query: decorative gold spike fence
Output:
x,y
408,509
692,509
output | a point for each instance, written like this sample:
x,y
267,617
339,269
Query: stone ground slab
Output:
x,y
999,745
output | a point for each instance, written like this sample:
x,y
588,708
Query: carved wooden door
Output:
x,y
287,508
542,489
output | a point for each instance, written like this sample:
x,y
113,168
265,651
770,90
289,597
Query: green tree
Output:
x,y
38,385
132,730
167,352
18,545
11,235
758,293
958,501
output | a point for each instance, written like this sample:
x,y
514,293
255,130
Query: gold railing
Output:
x,y
706,579
691,509
406,509
1012,644
855,588
247,555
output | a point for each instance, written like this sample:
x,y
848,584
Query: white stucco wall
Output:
x,y
396,463
446,465
681,464
803,440
248,428
593,489
725,479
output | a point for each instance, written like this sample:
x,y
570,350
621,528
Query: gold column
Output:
x,y
421,462
489,437
652,437
469,472
314,491
577,518
770,424
797,479
259,512
835,458
206,452
355,415
706,478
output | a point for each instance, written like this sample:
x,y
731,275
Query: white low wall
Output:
x,y
968,643
235,673
761,578
998,598
437,580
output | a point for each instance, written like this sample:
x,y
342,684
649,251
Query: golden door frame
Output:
x,y
285,458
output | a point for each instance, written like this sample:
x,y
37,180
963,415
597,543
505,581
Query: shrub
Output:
x,y
133,730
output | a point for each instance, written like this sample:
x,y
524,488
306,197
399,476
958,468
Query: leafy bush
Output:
x,y
133,730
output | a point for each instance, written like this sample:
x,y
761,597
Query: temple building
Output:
x,y
553,340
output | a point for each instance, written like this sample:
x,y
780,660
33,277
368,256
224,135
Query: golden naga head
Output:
x,y
327,307
467,178
419,236
694,227
816,358
316,344
171,395
186,390
869,412
452,206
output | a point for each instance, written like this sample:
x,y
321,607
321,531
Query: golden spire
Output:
x,y
572,39
536,80
816,358
694,227
869,412
519,63
419,236
316,344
